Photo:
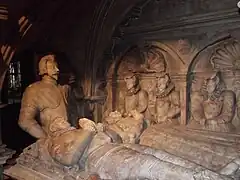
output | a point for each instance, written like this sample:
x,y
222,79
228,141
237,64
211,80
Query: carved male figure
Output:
x,y
136,98
167,101
214,107
129,122
48,99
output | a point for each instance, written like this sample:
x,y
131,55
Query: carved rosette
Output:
x,y
226,56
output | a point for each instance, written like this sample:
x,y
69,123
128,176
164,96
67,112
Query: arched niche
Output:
x,y
221,56
146,60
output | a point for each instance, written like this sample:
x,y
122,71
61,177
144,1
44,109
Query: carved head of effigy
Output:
x,y
163,80
212,82
130,79
48,66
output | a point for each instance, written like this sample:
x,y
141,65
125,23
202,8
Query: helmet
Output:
x,y
42,65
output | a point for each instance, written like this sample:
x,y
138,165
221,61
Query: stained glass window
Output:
x,y
14,82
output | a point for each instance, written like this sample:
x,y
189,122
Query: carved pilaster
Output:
x,y
183,100
181,83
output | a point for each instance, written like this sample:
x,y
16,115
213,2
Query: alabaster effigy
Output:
x,y
92,151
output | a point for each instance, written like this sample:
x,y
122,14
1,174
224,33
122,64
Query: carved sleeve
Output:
x,y
228,109
197,111
175,105
142,101
28,113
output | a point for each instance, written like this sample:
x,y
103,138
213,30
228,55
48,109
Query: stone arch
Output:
x,y
201,61
173,63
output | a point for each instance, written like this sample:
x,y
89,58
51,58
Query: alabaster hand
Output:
x,y
87,124
211,122
125,114
129,114
133,113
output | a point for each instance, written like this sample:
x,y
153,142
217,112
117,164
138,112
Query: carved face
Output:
x,y
52,69
130,81
211,85
162,83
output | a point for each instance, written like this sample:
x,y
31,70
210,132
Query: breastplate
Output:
x,y
53,113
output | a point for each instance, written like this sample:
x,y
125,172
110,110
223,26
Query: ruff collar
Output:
x,y
166,92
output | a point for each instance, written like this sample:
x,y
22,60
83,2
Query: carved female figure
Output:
x,y
214,106
167,101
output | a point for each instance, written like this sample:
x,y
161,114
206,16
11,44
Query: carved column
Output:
x,y
182,84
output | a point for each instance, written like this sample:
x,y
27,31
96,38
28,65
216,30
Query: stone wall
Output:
x,y
194,38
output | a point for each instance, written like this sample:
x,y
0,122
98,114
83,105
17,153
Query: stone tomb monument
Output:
x,y
90,152
209,133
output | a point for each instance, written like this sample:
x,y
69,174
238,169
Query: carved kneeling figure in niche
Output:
x,y
135,98
214,107
128,128
167,101
128,123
